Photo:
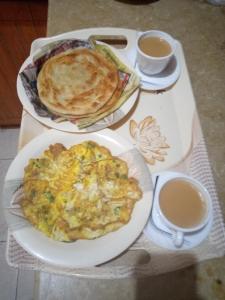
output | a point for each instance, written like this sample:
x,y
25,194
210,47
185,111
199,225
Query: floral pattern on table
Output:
x,y
149,140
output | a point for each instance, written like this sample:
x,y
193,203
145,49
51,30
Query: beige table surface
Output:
x,y
201,29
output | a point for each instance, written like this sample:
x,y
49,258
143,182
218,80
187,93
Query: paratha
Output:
x,y
77,82
109,104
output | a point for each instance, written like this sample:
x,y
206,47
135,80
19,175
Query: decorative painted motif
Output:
x,y
149,140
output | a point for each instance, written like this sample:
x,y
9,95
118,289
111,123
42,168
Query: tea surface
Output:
x,y
182,204
154,46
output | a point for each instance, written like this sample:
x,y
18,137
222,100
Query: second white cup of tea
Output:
x,y
184,206
154,50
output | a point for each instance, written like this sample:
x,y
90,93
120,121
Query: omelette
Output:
x,y
82,192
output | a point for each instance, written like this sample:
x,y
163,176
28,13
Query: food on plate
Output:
x,y
81,82
77,82
82,192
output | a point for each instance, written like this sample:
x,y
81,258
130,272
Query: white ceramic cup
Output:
x,y
151,65
179,232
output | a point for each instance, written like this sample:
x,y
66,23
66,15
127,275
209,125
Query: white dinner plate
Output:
x,y
69,126
81,253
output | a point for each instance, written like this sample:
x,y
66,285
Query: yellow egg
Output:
x,y
82,192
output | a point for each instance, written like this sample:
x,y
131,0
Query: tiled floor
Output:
x,y
14,284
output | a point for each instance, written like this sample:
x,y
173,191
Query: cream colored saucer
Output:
x,y
161,235
162,80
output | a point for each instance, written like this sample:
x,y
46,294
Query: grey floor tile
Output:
x,y
25,285
8,277
54,287
4,164
8,142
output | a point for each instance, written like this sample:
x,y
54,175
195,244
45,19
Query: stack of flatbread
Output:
x,y
81,85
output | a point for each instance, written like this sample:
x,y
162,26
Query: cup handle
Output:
x,y
178,239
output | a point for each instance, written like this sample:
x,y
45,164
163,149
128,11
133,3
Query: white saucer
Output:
x,y
162,80
162,240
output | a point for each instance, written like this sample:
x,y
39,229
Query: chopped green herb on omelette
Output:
x,y
82,192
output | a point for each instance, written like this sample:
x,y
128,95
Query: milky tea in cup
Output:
x,y
184,206
154,51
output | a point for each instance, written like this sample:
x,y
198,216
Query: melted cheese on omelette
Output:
x,y
78,193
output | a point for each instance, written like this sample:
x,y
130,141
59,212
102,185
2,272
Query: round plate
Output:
x,y
66,125
82,253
